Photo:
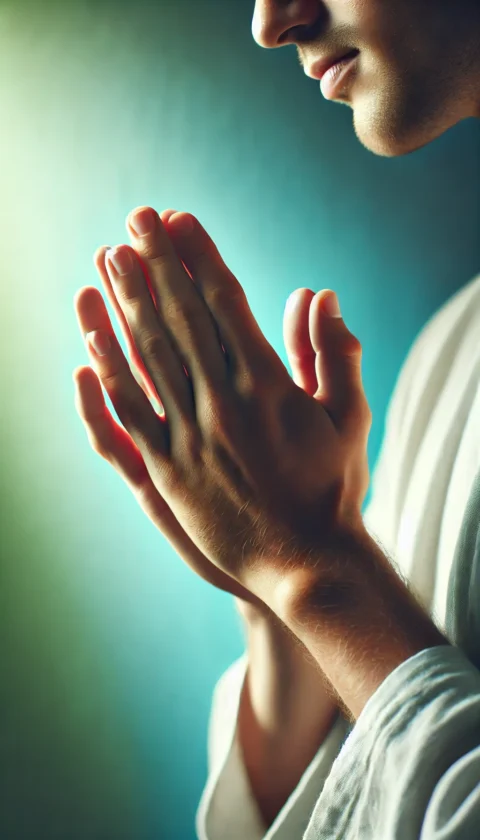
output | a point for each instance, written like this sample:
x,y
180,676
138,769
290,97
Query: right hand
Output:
x,y
111,441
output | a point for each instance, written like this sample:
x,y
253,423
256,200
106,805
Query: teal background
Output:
x,y
110,647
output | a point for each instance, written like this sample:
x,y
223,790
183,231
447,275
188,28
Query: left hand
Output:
x,y
259,473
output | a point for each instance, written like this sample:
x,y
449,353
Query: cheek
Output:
x,y
398,33
386,66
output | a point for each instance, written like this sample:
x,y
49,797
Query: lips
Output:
x,y
344,58
319,68
336,82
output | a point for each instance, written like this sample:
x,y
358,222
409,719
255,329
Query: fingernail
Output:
x,y
121,259
142,222
100,341
331,306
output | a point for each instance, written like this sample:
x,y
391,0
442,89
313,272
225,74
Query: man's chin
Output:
x,y
392,132
385,140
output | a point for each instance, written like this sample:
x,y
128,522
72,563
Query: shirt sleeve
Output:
x,y
410,769
228,808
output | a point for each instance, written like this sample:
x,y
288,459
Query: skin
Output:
x,y
417,75
419,65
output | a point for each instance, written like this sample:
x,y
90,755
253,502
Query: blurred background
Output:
x,y
109,646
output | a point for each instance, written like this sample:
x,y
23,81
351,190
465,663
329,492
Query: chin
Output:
x,y
392,132
386,143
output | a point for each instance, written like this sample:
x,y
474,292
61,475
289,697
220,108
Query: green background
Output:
x,y
109,646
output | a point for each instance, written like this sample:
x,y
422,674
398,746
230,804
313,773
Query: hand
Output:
x,y
253,468
113,443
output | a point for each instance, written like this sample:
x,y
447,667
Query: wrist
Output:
x,y
355,616
330,581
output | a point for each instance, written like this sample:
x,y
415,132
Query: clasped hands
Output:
x,y
249,473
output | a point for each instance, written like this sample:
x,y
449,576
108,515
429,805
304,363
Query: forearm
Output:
x,y
356,617
286,710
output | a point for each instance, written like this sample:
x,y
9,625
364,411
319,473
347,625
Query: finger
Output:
x,y
246,346
107,437
110,440
151,338
182,309
132,406
138,368
338,365
296,336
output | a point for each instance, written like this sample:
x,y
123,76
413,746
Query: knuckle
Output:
x,y
367,414
352,346
128,294
225,298
204,257
181,314
358,414
116,387
111,381
153,344
251,386
158,256
96,444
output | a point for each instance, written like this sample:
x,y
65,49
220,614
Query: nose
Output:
x,y
277,23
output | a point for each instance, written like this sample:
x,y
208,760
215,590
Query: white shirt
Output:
x,y
422,482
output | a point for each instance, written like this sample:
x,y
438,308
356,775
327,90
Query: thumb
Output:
x,y
338,364
296,337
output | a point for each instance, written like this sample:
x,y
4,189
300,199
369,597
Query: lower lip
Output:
x,y
335,78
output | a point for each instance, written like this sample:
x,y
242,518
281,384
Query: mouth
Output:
x,y
333,72
337,75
